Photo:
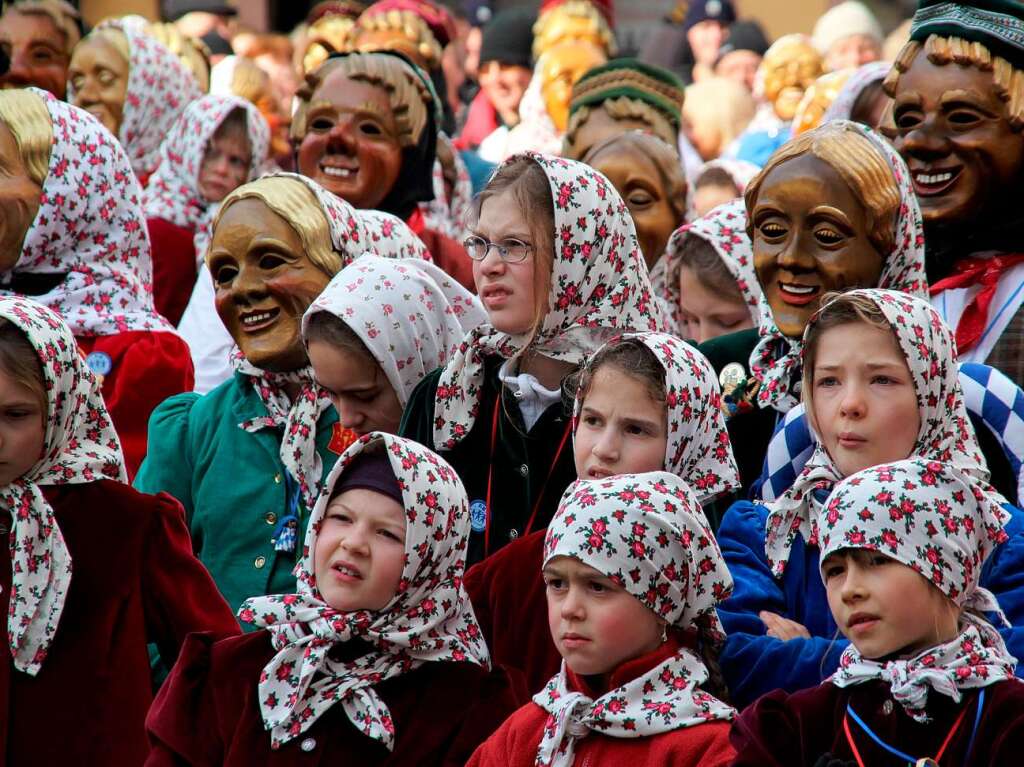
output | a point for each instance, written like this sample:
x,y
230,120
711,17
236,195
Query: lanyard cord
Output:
x,y
490,476
909,759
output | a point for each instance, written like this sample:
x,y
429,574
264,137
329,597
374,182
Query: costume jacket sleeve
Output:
x,y
1003,575
168,465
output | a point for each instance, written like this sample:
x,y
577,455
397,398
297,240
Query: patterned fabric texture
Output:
x,y
698,450
409,314
173,190
159,88
599,288
648,534
946,434
444,215
90,227
866,75
775,361
931,518
79,446
429,619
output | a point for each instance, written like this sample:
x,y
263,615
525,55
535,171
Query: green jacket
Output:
x,y
231,483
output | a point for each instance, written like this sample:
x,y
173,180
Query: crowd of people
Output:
x,y
457,388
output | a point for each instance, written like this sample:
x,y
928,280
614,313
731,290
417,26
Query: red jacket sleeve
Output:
x,y
174,267
179,596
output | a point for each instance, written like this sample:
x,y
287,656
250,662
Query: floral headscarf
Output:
x,y
159,88
775,361
724,228
80,446
352,235
535,131
91,228
698,449
866,75
173,190
599,288
444,215
930,517
409,314
945,435
429,619
647,533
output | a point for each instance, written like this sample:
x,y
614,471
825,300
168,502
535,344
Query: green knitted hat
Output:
x,y
996,24
633,79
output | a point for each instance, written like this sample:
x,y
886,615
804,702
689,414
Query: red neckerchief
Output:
x,y
976,271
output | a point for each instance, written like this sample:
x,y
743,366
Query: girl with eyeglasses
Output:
x,y
557,267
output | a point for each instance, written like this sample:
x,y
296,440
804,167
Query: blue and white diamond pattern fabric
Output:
x,y
790,448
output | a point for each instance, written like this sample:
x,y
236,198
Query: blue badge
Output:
x,y
99,363
478,516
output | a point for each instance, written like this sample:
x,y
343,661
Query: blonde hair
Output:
x,y
858,162
295,203
1007,80
28,119
408,95
190,52
720,102
621,108
422,42
63,15
116,38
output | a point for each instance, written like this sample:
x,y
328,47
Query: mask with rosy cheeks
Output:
x,y
264,283
560,68
965,158
19,200
352,146
810,236
37,52
98,75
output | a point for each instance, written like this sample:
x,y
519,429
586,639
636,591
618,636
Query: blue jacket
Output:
x,y
754,663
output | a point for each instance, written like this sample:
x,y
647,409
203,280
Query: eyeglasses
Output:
x,y
511,251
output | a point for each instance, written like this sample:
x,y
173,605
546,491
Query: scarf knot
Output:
x,y
976,271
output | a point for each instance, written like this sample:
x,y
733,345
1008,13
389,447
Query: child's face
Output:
x,y
225,166
863,402
22,429
360,391
360,551
621,427
507,290
707,197
595,623
707,313
885,607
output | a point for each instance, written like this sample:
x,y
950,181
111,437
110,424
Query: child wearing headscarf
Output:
x,y
633,576
925,679
377,658
559,271
82,596
380,326
645,402
880,385
85,254
218,144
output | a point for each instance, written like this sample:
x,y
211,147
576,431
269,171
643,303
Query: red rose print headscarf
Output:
x,y
599,288
698,450
80,446
725,229
90,227
647,533
352,235
159,88
429,619
775,361
444,215
410,315
930,517
173,190
946,432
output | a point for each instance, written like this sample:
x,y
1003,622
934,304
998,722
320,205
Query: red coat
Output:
x,y
134,580
174,267
783,729
508,595
208,713
446,252
481,121
145,369
516,743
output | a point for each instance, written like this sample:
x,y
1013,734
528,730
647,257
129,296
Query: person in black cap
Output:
x,y
197,18
740,55
707,25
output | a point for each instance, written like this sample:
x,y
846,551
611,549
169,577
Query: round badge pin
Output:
x,y
478,516
99,363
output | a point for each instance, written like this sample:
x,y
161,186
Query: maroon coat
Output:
x,y
174,267
797,729
134,580
208,713
508,595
